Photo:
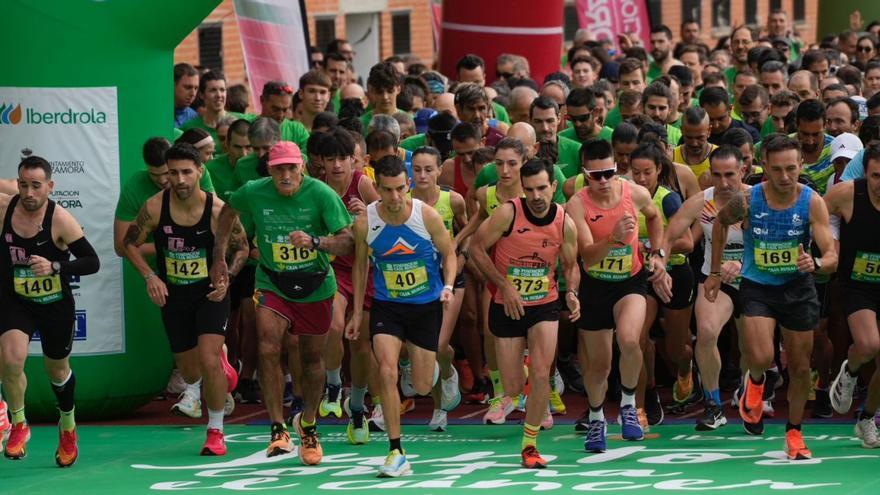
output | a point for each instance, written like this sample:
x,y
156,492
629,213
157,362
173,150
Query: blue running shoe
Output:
x,y
395,465
630,429
595,439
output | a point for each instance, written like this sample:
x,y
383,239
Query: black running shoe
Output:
x,y
711,419
583,423
756,429
822,405
653,407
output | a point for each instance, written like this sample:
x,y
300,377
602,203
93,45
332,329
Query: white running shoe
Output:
x,y
559,383
866,431
450,394
377,418
395,465
438,421
229,405
842,388
189,403
406,385
176,383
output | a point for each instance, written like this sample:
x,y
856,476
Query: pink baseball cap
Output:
x,y
285,152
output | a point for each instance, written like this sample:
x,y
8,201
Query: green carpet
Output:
x,y
674,459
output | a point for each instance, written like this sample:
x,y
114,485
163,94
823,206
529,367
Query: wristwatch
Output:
x,y
658,252
316,242
56,267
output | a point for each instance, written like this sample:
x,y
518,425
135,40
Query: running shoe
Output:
x,y
466,376
450,394
310,452
643,420
866,431
215,443
438,421
629,424
377,419
176,383
556,382
5,425
556,404
570,371
358,429
229,371
66,454
653,407
531,459
228,405
547,422
711,419
737,393
481,392
288,396
842,388
395,465
296,407
407,405
406,385
499,408
519,404
822,404
582,423
331,402
751,405
595,439
188,404
683,388
18,439
795,447
280,443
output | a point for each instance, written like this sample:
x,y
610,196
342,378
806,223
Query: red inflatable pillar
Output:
x,y
489,28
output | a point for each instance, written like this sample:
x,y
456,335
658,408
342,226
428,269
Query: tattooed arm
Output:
x,y
137,233
227,219
238,249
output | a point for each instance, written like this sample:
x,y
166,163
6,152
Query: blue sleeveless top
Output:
x,y
772,238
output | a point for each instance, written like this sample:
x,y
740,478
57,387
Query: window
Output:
x,y
800,11
654,12
211,46
720,14
400,41
775,5
325,32
752,12
570,21
691,10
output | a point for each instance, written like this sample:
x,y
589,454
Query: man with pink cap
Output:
x,y
298,223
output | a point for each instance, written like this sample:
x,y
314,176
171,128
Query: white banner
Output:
x,y
77,131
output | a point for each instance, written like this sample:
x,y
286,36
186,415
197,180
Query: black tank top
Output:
x,y
51,292
184,253
859,264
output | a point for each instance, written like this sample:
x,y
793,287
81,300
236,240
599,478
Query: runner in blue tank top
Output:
x,y
777,217
406,243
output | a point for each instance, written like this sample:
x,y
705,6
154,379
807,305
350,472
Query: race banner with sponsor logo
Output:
x,y
76,130
609,18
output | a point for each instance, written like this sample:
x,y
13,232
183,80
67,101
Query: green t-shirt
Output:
x,y
199,123
569,133
222,174
139,188
673,134
613,118
489,176
768,127
295,132
654,71
569,157
246,170
413,143
336,100
315,209
501,113
365,120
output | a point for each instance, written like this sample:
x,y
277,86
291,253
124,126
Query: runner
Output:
x,y
194,313
356,191
776,285
38,238
298,221
856,203
697,214
409,296
528,235
605,213
450,205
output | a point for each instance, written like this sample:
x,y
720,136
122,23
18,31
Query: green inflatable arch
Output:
x,y
127,44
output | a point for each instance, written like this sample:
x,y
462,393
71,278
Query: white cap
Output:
x,y
845,145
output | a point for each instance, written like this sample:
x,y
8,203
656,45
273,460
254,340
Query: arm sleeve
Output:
x,y
86,260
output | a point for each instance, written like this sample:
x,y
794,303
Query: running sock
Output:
x,y
67,421
789,426
333,377
713,396
215,419
17,416
627,397
307,424
530,436
497,387
597,413
64,392
356,401
394,443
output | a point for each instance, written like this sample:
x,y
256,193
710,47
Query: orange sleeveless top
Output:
x,y
527,253
621,263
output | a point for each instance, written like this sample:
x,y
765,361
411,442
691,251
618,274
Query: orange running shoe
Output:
x,y
67,452
751,404
407,405
795,447
280,443
18,438
310,452
531,459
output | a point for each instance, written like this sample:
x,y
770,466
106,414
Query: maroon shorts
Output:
x,y
345,287
304,318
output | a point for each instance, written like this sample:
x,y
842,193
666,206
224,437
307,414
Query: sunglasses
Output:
x,y
504,75
581,118
866,49
605,173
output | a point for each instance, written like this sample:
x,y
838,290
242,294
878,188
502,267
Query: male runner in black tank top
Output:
x,y
36,242
856,205
182,221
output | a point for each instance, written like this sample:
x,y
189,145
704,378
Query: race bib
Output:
x,y
866,267
533,284
290,257
186,268
776,257
732,255
40,290
616,266
405,279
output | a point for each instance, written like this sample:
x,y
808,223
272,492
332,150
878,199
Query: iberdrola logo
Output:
x,y
10,114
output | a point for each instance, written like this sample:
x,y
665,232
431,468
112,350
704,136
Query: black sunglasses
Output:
x,y
581,118
866,49
504,75
605,173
